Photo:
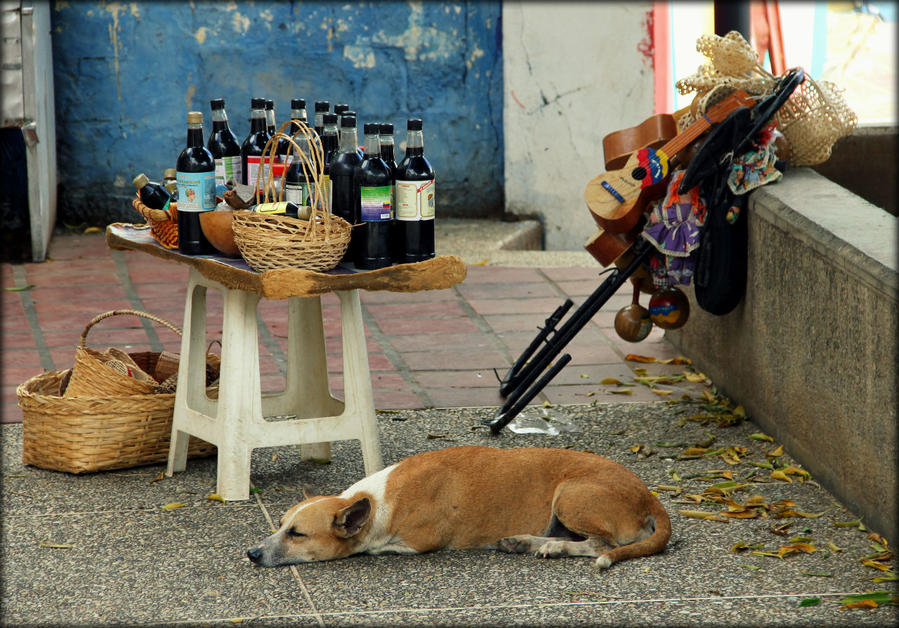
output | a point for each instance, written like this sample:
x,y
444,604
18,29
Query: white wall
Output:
x,y
573,72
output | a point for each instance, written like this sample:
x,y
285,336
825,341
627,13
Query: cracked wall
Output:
x,y
127,73
573,73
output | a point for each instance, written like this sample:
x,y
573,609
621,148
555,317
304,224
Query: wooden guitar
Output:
x,y
617,199
653,132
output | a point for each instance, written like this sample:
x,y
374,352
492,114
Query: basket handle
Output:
x,y
104,315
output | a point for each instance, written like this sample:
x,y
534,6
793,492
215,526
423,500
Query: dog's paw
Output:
x,y
514,545
552,549
602,562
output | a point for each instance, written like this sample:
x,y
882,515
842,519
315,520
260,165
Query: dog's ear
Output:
x,y
348,521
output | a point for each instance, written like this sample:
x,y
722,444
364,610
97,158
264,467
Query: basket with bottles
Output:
x,y
313,241
163,222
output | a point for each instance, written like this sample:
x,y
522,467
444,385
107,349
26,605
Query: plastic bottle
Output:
x,y
153,195
196,188
224,147
375,211
342,172
415,203
251,149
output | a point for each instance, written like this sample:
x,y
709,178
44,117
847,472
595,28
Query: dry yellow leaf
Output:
x,y
173,505
876,564
780,475
631,357
483,262
861,604
695,377
679,360
216,497
611,381
641,371
702,514
776,453
626,391
660,392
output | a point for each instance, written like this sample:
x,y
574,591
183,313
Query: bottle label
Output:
x,y
270,208
253,163
375,203
227,169
297,193
196,191
415,200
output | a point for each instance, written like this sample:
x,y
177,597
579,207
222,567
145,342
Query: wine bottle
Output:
x,y
342,173
251,149
415,203
224,147
196,189
375,212
153,195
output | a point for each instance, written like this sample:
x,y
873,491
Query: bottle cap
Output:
x,y
329,118
257,103
414,124
269,103
348,112
348,121
217,103
338,109
195,117
169,173
298,103
140,180
371,128
386,128
322,105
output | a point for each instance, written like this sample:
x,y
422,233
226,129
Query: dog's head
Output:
x,y
318,528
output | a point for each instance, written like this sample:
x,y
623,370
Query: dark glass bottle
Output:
x,y
224,147
415,204
153,195
251,149
196,188
375,211
298,181
271,127
346,113
298,109
321,108
330,148
343,188
389,156
340,109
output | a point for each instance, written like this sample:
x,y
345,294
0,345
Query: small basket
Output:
x,y
89,434
163,223
113,372
269,242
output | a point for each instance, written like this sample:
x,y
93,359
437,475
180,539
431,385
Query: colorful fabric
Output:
x,y
755,168
673,229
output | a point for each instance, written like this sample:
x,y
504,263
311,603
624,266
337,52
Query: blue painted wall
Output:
x,y
127,73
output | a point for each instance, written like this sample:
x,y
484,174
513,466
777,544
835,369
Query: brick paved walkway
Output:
x,y
426,349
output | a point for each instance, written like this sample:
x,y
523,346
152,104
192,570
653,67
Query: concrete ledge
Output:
x,y
811,351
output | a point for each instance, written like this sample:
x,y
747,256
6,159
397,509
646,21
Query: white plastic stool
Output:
x,y
235,422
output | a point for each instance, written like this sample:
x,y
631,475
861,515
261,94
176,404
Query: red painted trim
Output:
x,y
661,58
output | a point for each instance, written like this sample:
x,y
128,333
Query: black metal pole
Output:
x,y
732,15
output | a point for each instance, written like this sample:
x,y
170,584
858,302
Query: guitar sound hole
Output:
x,y
638,173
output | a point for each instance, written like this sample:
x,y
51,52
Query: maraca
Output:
x,y
632,322
669,308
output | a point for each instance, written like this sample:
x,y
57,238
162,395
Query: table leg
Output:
x,y
358,396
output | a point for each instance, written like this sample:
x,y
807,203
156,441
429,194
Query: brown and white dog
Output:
x,y
552,502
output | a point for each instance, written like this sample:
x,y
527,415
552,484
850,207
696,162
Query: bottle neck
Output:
x,y
219,119
319,119
194,135
415,143
372,145
298,114
270,120
387,148
257,120
349,141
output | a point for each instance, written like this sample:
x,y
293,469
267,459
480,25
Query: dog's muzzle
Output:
x,y
255,553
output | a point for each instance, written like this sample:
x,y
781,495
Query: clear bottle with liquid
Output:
x,y
196,189
374,182
415,201
225,148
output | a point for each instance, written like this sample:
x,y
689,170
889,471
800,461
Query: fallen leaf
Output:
x,y
753,567
810,601
640,371
861,604
890,577
173,506
274,457
694,376
760,436
834,548
702,514
795,548
216,497
611,381
817,574
674,475
694,451
631,357
793,470
483,262
776,453
93,230
585,376
20,288
876,565
159,477
869,600
253,489
848,524
660,391
679,361
780,475
626,391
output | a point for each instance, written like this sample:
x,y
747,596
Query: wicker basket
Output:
x,y
163,223
112,372
269,242
88,434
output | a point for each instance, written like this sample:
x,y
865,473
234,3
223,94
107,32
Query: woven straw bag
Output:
x,y
113,372
269,242
812,120
163,223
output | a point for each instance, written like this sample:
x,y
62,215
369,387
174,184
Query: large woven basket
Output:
x,y
88,434
163,223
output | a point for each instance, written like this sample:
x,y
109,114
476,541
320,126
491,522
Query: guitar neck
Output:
x,y
714,115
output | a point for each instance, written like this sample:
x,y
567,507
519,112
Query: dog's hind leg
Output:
x,y
557,542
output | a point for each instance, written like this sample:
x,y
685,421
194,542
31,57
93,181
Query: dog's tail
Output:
x,y
655,542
